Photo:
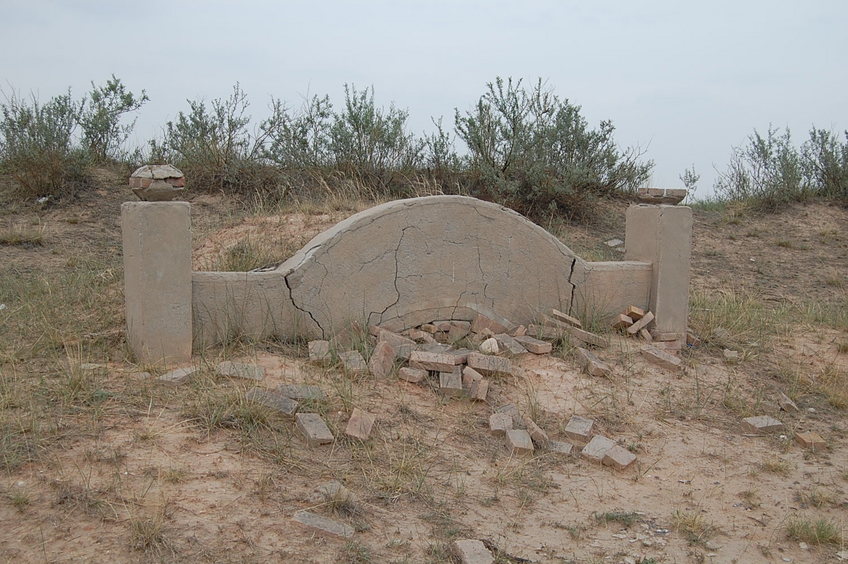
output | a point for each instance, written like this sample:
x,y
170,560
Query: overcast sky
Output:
x,y
684,81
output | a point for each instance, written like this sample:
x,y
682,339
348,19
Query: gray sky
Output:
x,y
684,81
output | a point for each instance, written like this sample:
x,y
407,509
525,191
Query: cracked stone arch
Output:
x,y
407,262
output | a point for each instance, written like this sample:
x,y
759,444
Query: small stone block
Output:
x,y
490,346
479,390
579,429
812,441
471,551
353,363
510,344
785,403
762,424
519,331
519,441
272,400
382,359
488,364
178,375
450,383
539,436
319,351
542,332
586,337
482,322
301,392
534,346
597,448
458,330
438,362
661,358
591,364
499,423
403,347
622,322
618,457
730,356
238,370
359,425
412,375
474,383
641,323
634,313
324,524
565,318
512,411
429,328
314,429
420,336
646,335
667,337
560,447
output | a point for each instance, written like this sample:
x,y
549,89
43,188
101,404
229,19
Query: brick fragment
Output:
x,y
499,423
519,441
489,365
519,331
579,429
319,351
314,430
479,390
591,364
542,332
785,403
360,424
333,492
474,383
471,551
429,328
661,358
272,400
560,447
458,330
515,415
239,370
510,344
730,356
490,346
622,321
539,436
762,424
535,346
353,363
597,448
301,392
667,336
646,335
812,441
587,337
382,360
482,322
324,524
420,336
618,457
403,346
565,318
412,375
450,383
179,375
438,362
641,323
634,313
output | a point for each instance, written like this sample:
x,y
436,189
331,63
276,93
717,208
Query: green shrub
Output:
x,y
302,141
825,164
536,153
103,134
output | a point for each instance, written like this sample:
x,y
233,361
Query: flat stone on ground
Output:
x,y
353,363
382,359
512,411
560,447
324,524
450,383
587,337
319,351
471,551
762,424
618,457
359,425
314,430
591,364
519,441
488,364
812,441
272,400
412,375
565,318
539,436
301,392
179,375
661,358
579,429
510,344
438,362
597,448
535,346
239,370
499,423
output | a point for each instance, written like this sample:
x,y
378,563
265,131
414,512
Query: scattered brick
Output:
x,y
785,403
560,447
661,358
646,335
353,363
314,429
458,330
597,448
515,415
565,318
319,351
490,346
622,322
179,375
618,457
450,383
470,551
666,336
382,360
499,423
519,331
519,441
413,375
324,524
488,364
542,332
429,328
634,313
479,390
443,326
812,441
591,364
420,336
579,429
333,492
509,343
730,356
482,322
475,384
535,346
460,355
272,400
672,346
642,323
539,436
438,362
301,392
238,370
586,337
403,347
359,425
762,424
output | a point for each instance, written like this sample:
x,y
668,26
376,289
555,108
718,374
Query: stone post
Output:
x,y
157,280
662,235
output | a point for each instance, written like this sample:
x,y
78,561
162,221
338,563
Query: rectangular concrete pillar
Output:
x,y
157,280
662,235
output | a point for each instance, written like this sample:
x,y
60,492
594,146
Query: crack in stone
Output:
x,y
297,307
396,276
573,286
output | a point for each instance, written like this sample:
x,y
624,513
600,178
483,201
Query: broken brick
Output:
x,y
272,400
301,392
179,375
239,370
471,551
519,441
482,322
618,457
499,423
579,429
535,346
560,447
512,411
413,375
661,358
646,335
488,364
509,343
382,359
622,321
634,313
420,336
597,448
812,441
319,351
565,318
438,362
641,323
403,347
762,424
324,524
458,330
519,331
586,337
450,383
359,425
475,384
353,363
591,364
314,430
539,436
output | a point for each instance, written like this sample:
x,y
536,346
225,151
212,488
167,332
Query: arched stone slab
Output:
x,y
445,254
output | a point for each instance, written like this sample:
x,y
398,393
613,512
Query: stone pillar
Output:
x,y
662,235
157,280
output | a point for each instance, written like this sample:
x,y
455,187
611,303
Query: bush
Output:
x,y
537,154
37,145
302,141
825,164
100,119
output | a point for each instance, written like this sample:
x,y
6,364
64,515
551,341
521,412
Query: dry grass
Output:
x,y
20,235
693,526
815,532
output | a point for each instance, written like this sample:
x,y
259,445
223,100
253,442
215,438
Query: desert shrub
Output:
x,y
302,140
535,152
37,145
100,118
825,164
